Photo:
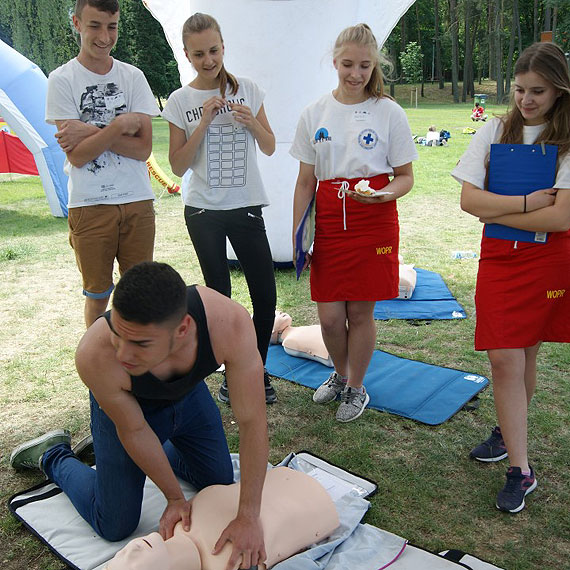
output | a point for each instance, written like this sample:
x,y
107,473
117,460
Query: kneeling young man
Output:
x,y
144,362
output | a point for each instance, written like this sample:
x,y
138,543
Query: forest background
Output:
x,y
460,42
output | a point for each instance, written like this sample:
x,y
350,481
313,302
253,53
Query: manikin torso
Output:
x,y
296,512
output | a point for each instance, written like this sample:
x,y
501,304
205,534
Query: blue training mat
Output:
x,y
431,300
424,392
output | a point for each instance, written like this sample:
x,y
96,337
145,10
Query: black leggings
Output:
x,y
245,229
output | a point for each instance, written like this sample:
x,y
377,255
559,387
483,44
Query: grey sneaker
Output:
x,y
352,404
330,389
28,455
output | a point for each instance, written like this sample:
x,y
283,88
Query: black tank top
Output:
x,y
147,388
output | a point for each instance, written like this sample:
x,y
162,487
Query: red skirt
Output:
x,y
355,253
523,293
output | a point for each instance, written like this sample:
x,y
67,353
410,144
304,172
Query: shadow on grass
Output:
x,y
14,223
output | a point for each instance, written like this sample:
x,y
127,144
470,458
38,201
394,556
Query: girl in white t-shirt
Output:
x,y
216,122
523,288
354,134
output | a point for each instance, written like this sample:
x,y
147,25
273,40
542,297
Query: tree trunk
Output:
x,y
454,30
498,51
509,68
420,44
403,39
554,21
547,19
468,61
535,22
491,46
519,29
438,70
474,32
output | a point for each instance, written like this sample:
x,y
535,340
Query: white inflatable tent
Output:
x,y
285,46
23,89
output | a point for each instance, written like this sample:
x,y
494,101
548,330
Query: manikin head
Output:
x,y
153,553
149,316
282,321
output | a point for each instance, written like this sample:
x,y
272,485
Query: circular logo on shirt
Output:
x,y
368,139
322,135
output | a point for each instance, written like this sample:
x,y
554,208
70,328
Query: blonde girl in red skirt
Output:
x,y
353,137
522,296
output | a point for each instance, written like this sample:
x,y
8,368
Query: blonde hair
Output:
x,y
547,60
197,23
362,35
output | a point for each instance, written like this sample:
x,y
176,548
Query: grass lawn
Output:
x,y
429,491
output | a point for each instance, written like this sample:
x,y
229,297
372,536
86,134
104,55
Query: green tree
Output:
x,y
149,50
411,61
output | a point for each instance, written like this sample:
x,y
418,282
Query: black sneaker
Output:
x,y
223,393
511,498
491,450
84,450
270,395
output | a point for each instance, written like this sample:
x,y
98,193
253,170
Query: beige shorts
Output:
x,y
101,233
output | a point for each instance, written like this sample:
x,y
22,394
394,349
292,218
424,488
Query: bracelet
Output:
x,y
524,209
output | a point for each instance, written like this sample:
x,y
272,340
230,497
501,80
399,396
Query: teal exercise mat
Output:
x,y
424,392
431,300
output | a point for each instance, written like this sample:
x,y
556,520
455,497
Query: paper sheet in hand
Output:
x,y
304,235
517,170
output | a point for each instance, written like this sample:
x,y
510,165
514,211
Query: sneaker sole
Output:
x,y
490,459
522,505
359,413
38,440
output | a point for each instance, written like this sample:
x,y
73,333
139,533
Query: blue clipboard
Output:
x,y
304,236
517,170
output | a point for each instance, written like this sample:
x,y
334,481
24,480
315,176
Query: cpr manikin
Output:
x,y
296,512
304,342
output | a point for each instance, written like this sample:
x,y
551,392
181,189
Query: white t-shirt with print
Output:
x,y
472,164
225,174
74,92
353,141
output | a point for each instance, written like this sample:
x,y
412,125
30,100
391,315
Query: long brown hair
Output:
x,y
547,60
362,35
199,22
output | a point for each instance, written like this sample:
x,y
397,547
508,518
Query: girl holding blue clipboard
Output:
x,y
522,296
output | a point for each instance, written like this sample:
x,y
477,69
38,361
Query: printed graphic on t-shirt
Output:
x,y
226,146
98,106
322,135
368,139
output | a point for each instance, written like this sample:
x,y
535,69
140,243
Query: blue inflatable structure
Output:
x,y
23,89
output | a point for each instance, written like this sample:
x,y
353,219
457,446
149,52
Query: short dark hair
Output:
x,y
151,293
111,6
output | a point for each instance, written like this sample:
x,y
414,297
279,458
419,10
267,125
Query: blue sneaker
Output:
x,y
511,498
492,449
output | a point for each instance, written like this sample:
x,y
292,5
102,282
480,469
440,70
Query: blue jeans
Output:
x,y
110,497
245,229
